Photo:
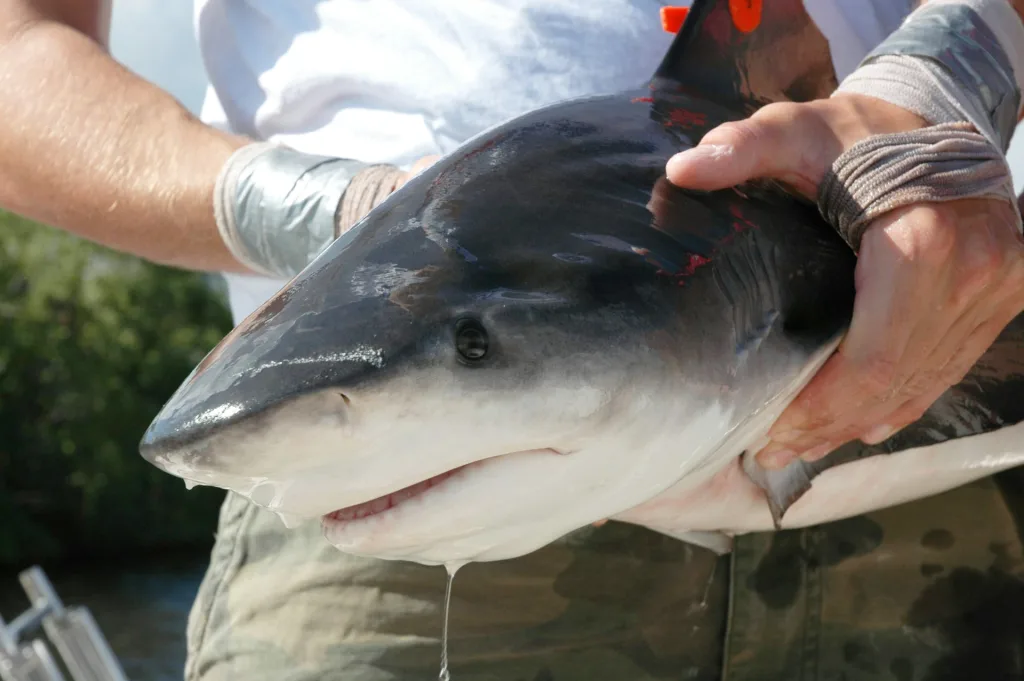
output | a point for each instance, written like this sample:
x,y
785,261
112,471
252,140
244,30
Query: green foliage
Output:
x,y
92,343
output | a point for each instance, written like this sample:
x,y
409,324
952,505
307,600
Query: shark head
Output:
x,y
536,333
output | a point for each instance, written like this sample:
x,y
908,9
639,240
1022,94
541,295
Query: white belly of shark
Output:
x,y
729,503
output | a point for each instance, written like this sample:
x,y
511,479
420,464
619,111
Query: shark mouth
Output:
x,y
387,502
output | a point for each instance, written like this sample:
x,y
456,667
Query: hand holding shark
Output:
x,y
936,283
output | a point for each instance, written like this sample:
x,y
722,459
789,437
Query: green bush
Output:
x,y
92,343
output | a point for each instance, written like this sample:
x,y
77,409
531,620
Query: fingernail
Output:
x,y
712,151
789,435
877,434
759,444
699,153
817,452
775,458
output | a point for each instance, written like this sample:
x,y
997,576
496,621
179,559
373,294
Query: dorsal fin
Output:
x,y
744,54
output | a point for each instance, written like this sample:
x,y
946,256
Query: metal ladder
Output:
x,y
71,631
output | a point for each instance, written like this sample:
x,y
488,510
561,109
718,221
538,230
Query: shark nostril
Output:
x,y
345,399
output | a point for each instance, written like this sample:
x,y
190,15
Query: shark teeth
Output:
x,y
381,504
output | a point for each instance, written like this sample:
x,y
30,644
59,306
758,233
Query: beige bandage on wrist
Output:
x,y
958,64
366,190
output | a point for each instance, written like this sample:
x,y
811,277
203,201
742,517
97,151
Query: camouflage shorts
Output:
x,y
928,591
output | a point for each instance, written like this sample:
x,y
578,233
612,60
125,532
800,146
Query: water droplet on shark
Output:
x,y
575,258
451,568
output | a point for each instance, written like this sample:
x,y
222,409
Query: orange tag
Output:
x,y
672,18
746,14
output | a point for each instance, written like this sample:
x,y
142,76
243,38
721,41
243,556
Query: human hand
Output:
x,y
370,187
935,283
416,168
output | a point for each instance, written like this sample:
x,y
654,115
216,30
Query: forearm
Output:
x,y
1018,7
90,148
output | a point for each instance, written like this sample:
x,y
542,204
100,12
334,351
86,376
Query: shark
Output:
x,y
540,332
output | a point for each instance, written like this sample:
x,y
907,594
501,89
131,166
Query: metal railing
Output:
x,y
80,645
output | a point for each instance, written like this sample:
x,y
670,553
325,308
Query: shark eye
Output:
x,y
471,340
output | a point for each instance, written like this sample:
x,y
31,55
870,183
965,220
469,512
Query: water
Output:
x,y
141,609
451,568
444,675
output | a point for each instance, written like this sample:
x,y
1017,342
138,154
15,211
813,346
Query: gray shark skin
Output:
x,y
539,332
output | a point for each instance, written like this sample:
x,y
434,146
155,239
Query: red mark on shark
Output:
x,y
668,269
741,223
645,100
686,119
695,263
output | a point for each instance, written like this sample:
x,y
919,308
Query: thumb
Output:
x,y
769,144
423,164
417,168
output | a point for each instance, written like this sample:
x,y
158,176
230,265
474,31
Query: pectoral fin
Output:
x,y
782,488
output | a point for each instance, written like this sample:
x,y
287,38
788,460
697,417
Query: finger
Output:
x,y
943,362
871,423
947,336
423,164
911,409
963,357
788,443
769,144
416,168
867,363
920,392
962,345
966,316
929,337
872,363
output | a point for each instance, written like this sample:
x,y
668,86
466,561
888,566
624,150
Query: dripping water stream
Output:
x,y
451,568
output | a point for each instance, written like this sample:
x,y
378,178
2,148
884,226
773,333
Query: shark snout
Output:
x,y
278,398
255,441
306,456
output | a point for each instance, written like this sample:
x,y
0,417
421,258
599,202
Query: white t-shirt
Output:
x,y
391,81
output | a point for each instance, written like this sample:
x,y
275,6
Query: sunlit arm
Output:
x,y
88,147
1018,6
